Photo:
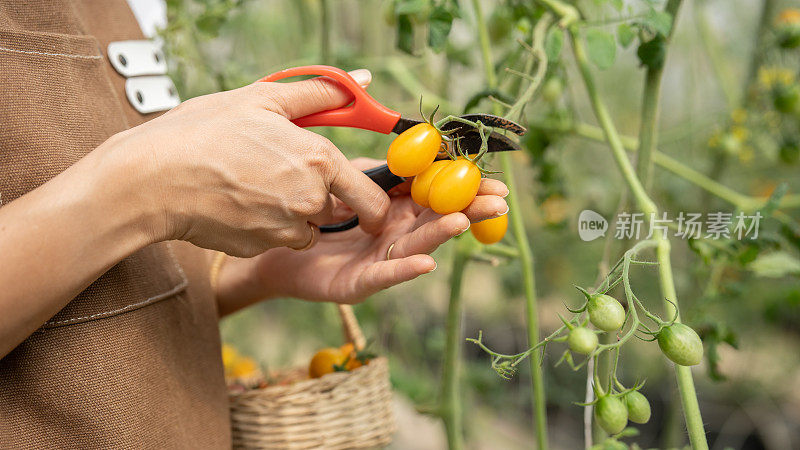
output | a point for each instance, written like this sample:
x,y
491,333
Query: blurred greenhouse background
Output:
x,y
734,296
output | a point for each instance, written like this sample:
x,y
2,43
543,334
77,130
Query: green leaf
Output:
x,y
601,48
553,43
775,265
653,52
659,22
405,34
625,35
439,25
209,23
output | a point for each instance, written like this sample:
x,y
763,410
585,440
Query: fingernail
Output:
x,y
434,267
506,194
464,230
362,76
504,212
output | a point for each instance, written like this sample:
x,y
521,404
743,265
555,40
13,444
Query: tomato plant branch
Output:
x,y
757,59
711,46
506,363
501,250
612,136
406,79
517,225
325,32
651,98
744,202
691,408
450,403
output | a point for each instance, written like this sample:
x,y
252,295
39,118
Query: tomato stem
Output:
x,y
691,408
450,402
517,225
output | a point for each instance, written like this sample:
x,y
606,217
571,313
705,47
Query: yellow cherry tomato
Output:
x,y
454,187
353,363
244,367
414,150
790,16
347,349
421,185
325,362
490,231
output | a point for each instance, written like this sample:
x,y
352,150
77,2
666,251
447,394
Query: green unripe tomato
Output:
x,y
582,340
786,98
611,414
789,37
790,151
788,28
730,145
552,89
606,313
638,407
681,344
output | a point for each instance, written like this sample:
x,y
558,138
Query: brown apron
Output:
x,y
134,360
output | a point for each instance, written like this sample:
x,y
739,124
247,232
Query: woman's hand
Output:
x,y
230,172
348,266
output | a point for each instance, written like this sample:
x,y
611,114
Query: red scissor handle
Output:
x,y
365,112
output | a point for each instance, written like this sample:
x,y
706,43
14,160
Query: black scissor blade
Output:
x,y
490,121
487,119
403,124
471,142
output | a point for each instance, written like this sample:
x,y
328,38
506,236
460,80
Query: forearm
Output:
x,y
60,237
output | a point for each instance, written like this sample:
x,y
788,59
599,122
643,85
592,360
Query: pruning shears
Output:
x,y
367,113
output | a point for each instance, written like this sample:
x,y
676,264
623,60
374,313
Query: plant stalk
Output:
x,y
517,225
325,32
691,408
450,403
744,202
651,98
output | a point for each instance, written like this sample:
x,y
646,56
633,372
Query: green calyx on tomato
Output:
x,y
605,312
680,344
415,149
445,186
582,340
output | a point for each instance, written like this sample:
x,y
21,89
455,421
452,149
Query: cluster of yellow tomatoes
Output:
x,y
242,372
238,368
445,186
329,360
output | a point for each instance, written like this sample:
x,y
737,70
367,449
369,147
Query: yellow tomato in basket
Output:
x,y
351,356
243,368
325,361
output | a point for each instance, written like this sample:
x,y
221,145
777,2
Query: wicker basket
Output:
x,y
337,411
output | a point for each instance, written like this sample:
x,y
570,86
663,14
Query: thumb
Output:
x,y
302,98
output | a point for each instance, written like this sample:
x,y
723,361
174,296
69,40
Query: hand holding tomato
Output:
x,y
347,267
